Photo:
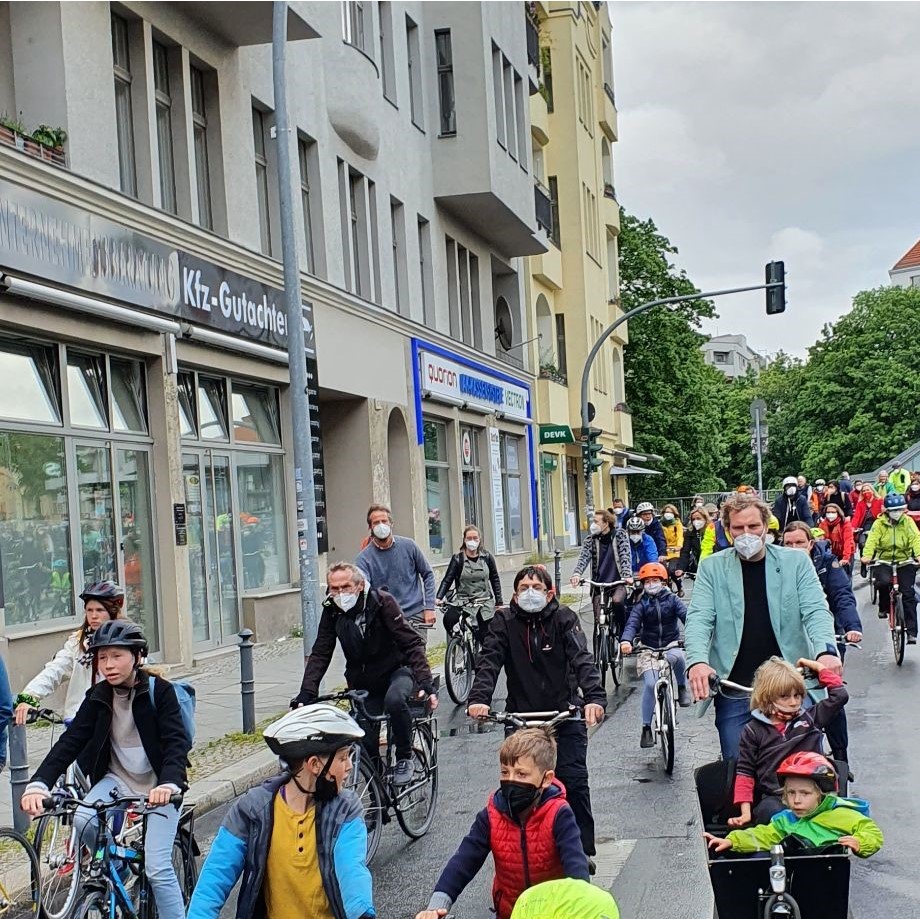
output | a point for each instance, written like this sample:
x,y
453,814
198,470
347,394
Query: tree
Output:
x,y
673,394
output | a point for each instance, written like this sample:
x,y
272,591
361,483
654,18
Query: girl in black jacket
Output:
x,y
471,573
127,742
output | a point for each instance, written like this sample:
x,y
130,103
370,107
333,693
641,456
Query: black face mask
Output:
x,y
519,795
326,788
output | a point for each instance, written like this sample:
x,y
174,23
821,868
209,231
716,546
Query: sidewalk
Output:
x,y
223,770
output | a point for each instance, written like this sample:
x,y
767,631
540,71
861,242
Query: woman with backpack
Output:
x,y
128,736
472,573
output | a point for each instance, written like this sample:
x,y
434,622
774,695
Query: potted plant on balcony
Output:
x,y
12,130
549,371
51,141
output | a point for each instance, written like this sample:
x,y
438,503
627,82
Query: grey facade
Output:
x,y
417,204
732,356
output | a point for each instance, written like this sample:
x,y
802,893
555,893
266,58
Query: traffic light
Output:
x,y
591,447
776,296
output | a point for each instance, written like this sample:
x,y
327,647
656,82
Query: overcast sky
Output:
x,y
751,131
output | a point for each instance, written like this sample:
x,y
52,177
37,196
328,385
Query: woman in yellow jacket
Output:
x,y
674,542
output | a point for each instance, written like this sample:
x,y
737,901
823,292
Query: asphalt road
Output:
x,y
650,854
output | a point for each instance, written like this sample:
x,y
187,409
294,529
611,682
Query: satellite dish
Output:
x,y
503,325
503,335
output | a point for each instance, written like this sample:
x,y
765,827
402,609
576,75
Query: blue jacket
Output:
x,y
655,530
654,619
6,710
241,848
643,552
785,510
837,589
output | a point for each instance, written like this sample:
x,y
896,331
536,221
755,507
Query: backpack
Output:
x,y
185,693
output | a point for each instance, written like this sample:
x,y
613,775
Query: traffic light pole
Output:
x,y
585,374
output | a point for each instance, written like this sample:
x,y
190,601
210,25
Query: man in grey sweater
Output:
x,y
397,565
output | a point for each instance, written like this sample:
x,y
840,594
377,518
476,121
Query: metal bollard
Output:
x,y
19,774
247,682
557,569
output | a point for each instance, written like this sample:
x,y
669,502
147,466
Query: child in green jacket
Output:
x,y
814,813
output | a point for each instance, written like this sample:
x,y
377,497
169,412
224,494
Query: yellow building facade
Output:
x,y
573,288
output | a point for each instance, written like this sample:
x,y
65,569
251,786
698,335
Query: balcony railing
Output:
x,y
543,206
507,357
533,43
610,191
609,90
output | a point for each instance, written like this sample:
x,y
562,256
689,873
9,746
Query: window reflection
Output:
x,y
255,414
212,409
86,391
29,391
128,402
263,539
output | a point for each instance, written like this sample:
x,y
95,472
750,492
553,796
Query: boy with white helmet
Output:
x,y
299,840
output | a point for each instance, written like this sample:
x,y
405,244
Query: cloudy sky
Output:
x,y
751,131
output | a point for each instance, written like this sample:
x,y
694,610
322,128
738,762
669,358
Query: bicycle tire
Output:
x,y
185,862
788,900
898,627
415,810
366,786
94,905
20,880
617,661
666,729
601,653
873,589
458,669
59,865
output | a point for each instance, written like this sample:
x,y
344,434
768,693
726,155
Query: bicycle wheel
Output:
x,y
184,857
898,630
873,589
601,652
617,661
458,669
415,802
364,784
94,905
57,851
20,877
666,728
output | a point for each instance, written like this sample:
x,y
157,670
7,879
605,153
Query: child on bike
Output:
x,y
815,816
127,742
298,840
528,826
102,602
655,618
780,727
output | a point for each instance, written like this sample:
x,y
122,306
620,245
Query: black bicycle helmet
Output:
x,y
118,633
635,525
895,502
105,591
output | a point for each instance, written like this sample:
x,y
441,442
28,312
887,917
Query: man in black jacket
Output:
x,y
541,645
792,504
383,655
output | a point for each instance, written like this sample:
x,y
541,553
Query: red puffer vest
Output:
x,y
523,855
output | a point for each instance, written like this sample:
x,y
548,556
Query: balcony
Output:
x,y
244,23
44,143
608,113
620,334
610,209
622,424
547,267
552,402
533,52
543,207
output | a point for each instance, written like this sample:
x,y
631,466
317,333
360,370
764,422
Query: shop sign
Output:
x,y
556,434
466,448
548,462
498,497
441,376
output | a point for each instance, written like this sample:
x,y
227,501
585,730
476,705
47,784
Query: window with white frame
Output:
x,y
512,490
387,53
200,131
445,61
413,58
400,266
163,104
306,150
261,164
353,23
124,114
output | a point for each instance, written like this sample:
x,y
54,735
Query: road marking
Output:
x,y
611,857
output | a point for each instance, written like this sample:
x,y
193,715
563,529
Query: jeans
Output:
x,y
906,575
158,845
674,565
394,702
572,771
732,714
650,677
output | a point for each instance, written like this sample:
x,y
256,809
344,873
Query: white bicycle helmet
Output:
x,y
313,730
635,525
790,480
645,507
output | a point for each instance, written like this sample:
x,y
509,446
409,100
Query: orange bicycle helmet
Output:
x,y
653,570
809,765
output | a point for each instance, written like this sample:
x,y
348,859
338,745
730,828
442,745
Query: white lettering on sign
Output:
x,y
498,497
443,377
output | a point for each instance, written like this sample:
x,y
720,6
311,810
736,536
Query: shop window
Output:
x,y
129,409
471,477
511,490
30,383
97,514
34,529
212,409
437,478
86,391
263,539
255,414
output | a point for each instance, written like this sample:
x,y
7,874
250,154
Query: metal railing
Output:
x,y
610,191
533,43
608,89
543,206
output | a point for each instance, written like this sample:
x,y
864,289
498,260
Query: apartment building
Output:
x,y
906,270
573,286
145,427
732,355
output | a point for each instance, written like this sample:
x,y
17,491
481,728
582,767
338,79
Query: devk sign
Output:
x,y
443,377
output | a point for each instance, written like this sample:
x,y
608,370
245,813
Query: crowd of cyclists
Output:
x,y
298,841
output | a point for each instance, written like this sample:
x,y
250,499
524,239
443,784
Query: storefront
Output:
x,y
473,424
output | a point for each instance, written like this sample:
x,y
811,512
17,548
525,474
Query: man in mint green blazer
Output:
x,y
749,603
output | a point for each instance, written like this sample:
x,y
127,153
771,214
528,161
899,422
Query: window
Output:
x,y
520,121
560,345
585,96
306,150
915,281
124,117
463,293
30,391
129,401
86,389
212,409
415,73
553,183
425,272
400,266
511,491
387,62
263,530
437,487
720,357
255,414
353,23
163,101
498,90
589,206
258,138
444,54
508,89
200,131
471,475
613,285
358,226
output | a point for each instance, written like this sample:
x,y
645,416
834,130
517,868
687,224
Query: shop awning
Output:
x,y
632,470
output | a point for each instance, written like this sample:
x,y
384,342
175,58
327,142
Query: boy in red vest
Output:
x,y
531,799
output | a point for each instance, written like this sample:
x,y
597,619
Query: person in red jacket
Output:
x,y
839,532
527,826
865,512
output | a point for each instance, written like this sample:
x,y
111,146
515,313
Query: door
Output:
x,y
211,548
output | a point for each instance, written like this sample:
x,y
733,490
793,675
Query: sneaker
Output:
x,y
647,739
683,697
680,593
592,866
883,614
863,571
911,639
402,774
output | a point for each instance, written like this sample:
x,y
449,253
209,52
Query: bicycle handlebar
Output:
x,y
638,646
358,697
604,584
138,803
533,719
716,685
44,714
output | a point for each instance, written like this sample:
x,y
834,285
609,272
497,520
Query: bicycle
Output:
x,y
664,717
20,879
463,647
897,622
607,652
372,776
515,721
117,858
